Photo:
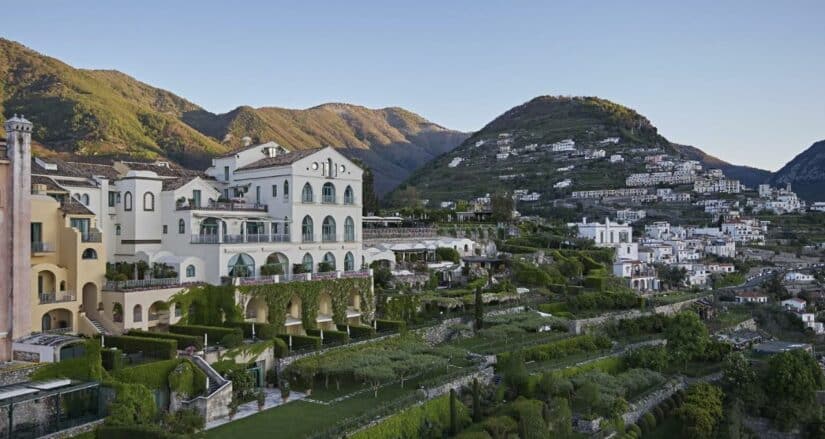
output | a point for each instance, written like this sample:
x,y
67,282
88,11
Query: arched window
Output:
x,y
286,190
349,229
85,199
307,263
307,233
286,227
328,193
137,314
328,230
190,271
148,201
181,226
349,195
306,194
349,262
329,261
62,285
241,265
89,253
127,201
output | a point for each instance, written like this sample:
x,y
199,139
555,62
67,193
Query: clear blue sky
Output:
x,y
744,80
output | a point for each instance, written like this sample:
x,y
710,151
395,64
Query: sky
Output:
x,y
743,80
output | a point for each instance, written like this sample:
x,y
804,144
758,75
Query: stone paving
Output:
x,y
273,399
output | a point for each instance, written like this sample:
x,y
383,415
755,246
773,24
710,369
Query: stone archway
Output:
x,y
91,299
257,310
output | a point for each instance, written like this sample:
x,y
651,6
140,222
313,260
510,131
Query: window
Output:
x,y
82,225
349,195
329,259
148,201
226,173
190,271
89,253
85,199
165,229
328,229
307,233
274,191
349,262
328,193
307,263
196,197
306,194
137,314
349,229
117,229
37,233
241,265
275,229
286,225
286,190
112,198
127,201
258,194
181,226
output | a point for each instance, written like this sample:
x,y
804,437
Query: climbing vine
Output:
x,y
212,305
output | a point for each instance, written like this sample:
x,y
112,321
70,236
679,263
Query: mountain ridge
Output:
x,y
805,172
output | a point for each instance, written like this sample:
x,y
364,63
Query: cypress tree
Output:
x,y
476,402
479,311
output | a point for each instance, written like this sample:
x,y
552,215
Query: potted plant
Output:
x,y
261,397
284,390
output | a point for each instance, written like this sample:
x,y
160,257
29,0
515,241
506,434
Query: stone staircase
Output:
x,y
99,326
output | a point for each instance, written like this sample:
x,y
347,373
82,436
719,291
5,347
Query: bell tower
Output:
x,y
15,235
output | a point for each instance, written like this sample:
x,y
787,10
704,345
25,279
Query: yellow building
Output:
x,y
68,262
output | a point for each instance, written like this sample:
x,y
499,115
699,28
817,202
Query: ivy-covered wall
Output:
x,y
211,305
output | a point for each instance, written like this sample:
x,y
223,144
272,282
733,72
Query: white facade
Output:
x,y
630,215
794,304
566,145
795,276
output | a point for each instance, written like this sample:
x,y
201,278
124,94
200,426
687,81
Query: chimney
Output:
x,y
39,189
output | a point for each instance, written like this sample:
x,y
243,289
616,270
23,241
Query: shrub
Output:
x,y
447,254
184,341
565,347
598,283
86,368
134,406
390,326
214,333
112,359
231,340
153,375
186,422
650,420
430,419
361,331
187,380
301,341
280,348
153,347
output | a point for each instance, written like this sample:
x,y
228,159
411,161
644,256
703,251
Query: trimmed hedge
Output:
x,y
263,331
153,347
214,333
184,341
280,347
133,432
361,331
112,359
301,341
390,325
330,336
153,375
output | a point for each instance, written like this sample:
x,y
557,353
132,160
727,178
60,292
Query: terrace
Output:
x,y
302,277
224,206
237,239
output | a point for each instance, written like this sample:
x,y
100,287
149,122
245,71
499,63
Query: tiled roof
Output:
x,y
171,184
74,169
280,160
50,184
73,207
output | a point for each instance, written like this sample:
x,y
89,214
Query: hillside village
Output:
x,y
176,302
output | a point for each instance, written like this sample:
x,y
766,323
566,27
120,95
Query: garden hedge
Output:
x,y
280,347
330,336
263,331
112,359
361,331
184,341
390,325
301,341
562,348
154,375
214,333
151,347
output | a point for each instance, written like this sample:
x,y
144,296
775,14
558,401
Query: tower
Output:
x,y
15,234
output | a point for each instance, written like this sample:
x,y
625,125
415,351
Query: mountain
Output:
x,y
474,168
749,176
805,173
107,114
391,141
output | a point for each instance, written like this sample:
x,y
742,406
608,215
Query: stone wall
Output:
x,y
446,331
286,361
17,373
580,326
74,431
651,400
484,377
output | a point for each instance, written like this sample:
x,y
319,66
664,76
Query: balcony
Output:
x,y
42,247
399,232
140,284
225,206
61,297
302,277
236,239
91,236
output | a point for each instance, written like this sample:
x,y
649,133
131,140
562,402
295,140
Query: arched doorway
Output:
x,y
276,263
158,314
257,310
241,265
90,299
57,319
46,286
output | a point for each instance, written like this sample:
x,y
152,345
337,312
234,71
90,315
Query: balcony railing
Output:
x,y
91,236
235,239
399,232
61,297
42,247
136,284
229,205
285,278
